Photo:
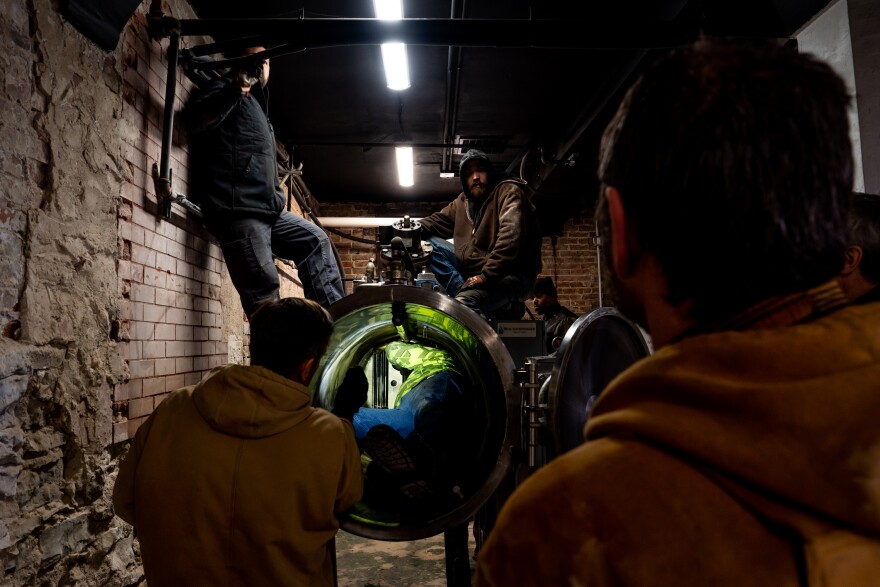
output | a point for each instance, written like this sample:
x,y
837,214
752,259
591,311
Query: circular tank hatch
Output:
x,y
596,348
371,318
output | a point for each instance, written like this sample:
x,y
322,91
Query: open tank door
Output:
x,y
372,317
596,348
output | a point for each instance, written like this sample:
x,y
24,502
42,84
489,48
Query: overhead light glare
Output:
x,y
396,65
388,9
404,165
393,54
447,174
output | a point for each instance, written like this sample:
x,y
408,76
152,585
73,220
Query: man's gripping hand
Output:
x,y
249,75
472,282
352,393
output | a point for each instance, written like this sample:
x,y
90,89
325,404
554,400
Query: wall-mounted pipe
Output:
x,y
163,187
357,221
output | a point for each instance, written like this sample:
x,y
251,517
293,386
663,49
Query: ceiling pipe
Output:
x,y
561,152
366,144
453,84
563,149
311,33
356,221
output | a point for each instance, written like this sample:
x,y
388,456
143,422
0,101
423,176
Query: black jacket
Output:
x,y
556,324
232,158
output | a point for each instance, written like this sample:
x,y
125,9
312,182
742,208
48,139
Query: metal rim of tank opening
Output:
x,y
366,320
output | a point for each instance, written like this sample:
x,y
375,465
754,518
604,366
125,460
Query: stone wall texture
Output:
x,y
104,307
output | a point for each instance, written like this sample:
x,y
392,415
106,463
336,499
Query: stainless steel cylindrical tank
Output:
x,y
374,316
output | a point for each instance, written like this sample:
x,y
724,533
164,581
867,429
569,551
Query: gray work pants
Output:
x,y
248,245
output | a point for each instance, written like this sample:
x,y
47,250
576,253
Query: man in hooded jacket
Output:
x,y
746,449
238,480
496,251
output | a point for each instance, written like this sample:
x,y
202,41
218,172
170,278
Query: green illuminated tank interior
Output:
x,y
368,320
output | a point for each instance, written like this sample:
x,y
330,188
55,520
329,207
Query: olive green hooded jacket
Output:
x,y
733,458
238,480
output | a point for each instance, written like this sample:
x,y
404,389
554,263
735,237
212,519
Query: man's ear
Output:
x,y
303,373
623,248
852,258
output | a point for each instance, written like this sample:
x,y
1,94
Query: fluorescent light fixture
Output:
x,y
388,9
396,65
393,54
447,174
404,165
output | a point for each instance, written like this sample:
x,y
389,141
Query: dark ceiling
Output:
x,y
531,83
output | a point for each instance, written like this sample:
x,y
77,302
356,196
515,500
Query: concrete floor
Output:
x,y
362,562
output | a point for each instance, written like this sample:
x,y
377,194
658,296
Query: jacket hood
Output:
x,y
421,361
476,154
251,402
784,419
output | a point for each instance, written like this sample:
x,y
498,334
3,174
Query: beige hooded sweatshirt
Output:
x,y
238,480
738,458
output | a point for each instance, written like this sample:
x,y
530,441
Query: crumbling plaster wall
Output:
x,y
62,176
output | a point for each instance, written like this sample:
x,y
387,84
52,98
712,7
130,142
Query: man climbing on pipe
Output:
x,y
234,179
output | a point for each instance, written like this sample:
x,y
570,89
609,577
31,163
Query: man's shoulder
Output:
x,y
510,185
586,472
178,396
872,295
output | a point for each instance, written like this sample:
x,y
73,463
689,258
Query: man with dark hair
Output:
x,y
234,180
860,278
238,479
496,250
743,451
557,318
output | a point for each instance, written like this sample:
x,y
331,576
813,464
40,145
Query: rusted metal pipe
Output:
x,y
164,191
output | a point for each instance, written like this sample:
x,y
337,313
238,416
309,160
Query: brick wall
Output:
x,y
170,271
570,259
179,314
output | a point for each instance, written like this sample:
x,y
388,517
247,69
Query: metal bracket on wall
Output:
x,y
167,196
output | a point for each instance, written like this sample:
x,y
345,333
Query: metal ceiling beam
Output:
x,y
311,33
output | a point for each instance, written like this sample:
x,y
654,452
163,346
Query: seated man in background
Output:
x,y
496,251
419,445
860,278
238,479
557,318
744,450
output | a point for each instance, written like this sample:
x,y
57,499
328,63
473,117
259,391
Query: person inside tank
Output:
x,y
416,449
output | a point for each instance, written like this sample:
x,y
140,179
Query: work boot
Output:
x,y
389,452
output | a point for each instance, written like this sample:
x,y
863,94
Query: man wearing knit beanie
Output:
x,y
496,251
557,318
